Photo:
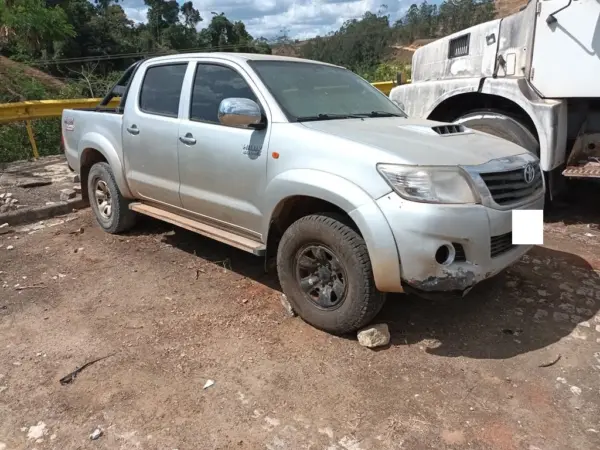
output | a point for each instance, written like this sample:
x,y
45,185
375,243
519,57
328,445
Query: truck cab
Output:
x,y
531,78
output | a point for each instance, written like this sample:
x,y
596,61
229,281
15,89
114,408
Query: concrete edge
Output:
x,y
23,216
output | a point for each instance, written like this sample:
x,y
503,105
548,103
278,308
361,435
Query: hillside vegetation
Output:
x,y
76,48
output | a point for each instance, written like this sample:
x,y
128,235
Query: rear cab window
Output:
x,y
161,89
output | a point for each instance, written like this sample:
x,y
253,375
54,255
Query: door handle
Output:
x,y
188,139
133,129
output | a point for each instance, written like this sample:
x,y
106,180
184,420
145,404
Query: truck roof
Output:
x,y
237,57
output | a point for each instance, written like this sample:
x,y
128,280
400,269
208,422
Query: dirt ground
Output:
x,y
177,310
36,183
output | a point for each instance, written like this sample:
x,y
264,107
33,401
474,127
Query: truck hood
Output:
x,y
417,141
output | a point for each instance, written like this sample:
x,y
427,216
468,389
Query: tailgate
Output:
x,y
84,128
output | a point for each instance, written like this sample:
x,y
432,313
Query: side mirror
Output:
x,y
241,113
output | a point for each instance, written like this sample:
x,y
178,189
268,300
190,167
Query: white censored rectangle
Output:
x,y
527,227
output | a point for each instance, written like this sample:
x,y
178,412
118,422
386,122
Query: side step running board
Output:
x,y
584,171
243,243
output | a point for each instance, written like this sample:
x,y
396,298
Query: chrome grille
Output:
x,y
500,244
510,186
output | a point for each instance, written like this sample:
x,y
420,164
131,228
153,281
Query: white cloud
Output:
x,y
302,18
137,14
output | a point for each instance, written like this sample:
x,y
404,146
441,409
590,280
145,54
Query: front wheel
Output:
x,y
325,271
110,207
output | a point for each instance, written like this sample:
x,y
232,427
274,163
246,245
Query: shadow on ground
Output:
x,y
533,304
579,205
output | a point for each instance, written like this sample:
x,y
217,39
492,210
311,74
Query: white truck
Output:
x,y
532,78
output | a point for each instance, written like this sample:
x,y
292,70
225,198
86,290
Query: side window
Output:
x,y
212,84
161,89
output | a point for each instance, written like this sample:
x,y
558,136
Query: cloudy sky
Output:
x,y
302,18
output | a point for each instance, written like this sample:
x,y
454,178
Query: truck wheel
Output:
x,y
110,207
325,271
503,126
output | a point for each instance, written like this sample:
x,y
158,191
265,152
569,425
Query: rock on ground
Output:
x,y
287,306
96,434
67,194
37,431
374,336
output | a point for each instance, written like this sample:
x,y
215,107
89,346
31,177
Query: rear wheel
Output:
x,y
110,207
503,126
325,271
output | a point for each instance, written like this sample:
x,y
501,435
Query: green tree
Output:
x,y
26,26
191,16
360,44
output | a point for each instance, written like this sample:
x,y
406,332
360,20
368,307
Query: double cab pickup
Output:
x,y
308,163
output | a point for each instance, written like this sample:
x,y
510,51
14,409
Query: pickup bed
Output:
x,y
308,163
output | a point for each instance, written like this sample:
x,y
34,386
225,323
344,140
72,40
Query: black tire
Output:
x,y
360,302
501,125
121,218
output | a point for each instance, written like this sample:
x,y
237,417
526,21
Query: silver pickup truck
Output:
x,y
309,163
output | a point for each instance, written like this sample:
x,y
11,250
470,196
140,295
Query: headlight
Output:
x,y
429,184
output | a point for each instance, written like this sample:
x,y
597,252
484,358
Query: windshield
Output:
x,y
307,91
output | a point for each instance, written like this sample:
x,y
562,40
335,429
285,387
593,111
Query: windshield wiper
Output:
x,y
330,117
383,114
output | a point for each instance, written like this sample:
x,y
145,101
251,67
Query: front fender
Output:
x,y
100,143
358,204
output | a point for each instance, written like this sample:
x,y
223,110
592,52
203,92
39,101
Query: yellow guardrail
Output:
x,y
43,109
385,86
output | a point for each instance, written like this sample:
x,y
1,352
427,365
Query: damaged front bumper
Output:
x,y
448,249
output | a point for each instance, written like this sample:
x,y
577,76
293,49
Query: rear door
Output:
x,y
150,132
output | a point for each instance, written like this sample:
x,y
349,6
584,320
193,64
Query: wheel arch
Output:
x,y
93,148
89,157
297,193
456,106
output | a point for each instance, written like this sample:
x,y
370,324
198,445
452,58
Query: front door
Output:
x,y
566,52
222,169
151,131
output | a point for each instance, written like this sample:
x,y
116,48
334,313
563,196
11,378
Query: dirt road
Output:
x,y
178,310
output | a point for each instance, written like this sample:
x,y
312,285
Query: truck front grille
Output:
x,y
512,186
500,244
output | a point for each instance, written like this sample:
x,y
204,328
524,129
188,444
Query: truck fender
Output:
x,y
421,99
96,141
459,87
359,205
548,117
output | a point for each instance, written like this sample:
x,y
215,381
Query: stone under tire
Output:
x,y
361,302
501,125
121,218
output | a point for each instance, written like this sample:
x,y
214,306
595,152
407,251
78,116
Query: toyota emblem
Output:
x,y
529,173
